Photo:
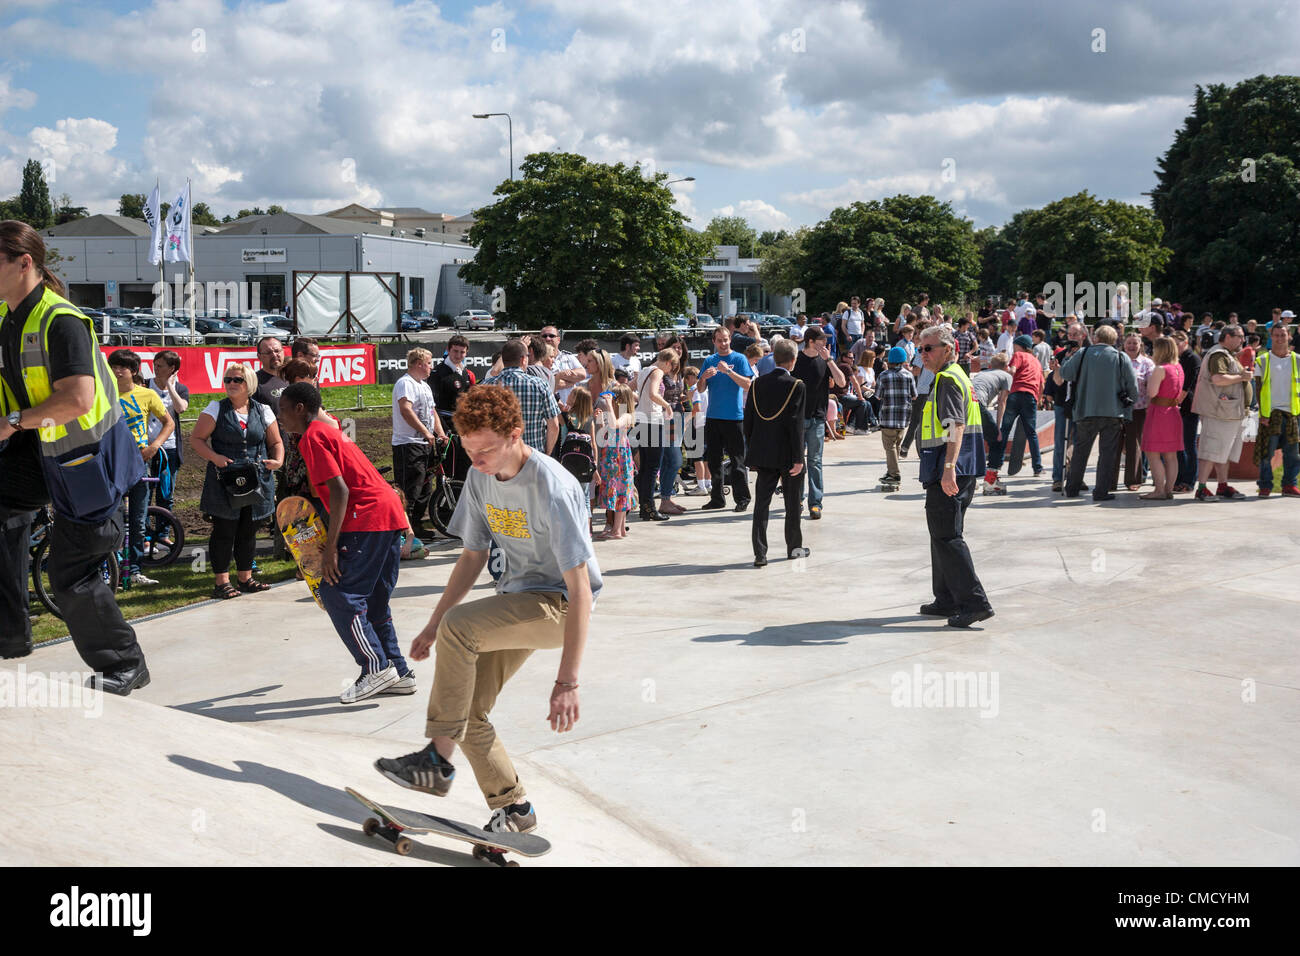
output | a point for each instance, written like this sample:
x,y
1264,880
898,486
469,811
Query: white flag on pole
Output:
x,y
177,246
152,217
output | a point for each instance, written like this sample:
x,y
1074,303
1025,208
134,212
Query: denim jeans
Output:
x,y
1187,457
814,438
1290,463
856,410
1020,405
669,465
137,513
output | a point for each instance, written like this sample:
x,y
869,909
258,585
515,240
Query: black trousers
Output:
x,y
99,632
1086,431
764,486
952,572
235,536
411,472
914,422
720,436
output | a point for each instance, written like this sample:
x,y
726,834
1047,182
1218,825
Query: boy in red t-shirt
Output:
x,y
363,544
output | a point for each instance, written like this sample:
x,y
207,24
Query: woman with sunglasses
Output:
x,y
237,431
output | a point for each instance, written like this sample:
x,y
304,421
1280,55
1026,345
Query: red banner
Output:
x,y
202,368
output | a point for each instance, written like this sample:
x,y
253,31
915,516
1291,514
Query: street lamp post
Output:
x,y
510,126
688,179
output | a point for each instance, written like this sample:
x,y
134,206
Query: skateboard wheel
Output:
x,y
402,845
370,827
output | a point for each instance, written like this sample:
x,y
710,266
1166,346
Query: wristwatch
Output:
x,y
950,464
16,421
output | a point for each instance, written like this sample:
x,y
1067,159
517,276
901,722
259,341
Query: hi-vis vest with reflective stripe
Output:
x,y
932,431
58,440
1266,395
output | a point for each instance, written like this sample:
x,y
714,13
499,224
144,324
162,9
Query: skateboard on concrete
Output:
x,y
392,821
305,536
1016,456
889,486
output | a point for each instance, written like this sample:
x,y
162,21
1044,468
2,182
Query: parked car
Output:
x,y
426,318
153,331
775,323
120,332
409,323
705,321
119,312
218,332
282,322
474,319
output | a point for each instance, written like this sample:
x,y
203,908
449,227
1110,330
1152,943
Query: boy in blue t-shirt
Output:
x,y
726,376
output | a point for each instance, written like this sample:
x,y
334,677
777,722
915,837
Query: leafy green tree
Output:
x,y
64,211
131,205
780,272
201,215
34,199
733,231
572,241
1098,242
255,211
9,209
1228,194
891,248
274,210
1000,273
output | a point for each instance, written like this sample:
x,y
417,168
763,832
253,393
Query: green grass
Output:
x,y
337,399
178,585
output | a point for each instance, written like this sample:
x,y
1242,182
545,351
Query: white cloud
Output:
x,y
759,214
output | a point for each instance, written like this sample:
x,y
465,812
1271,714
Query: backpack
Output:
x,y
577,456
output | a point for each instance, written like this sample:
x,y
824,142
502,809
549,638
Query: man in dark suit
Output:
x,y
773,428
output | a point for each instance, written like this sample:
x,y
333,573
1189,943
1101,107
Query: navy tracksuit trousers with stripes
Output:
x,y
358,604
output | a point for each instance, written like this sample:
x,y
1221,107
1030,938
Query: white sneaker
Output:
x,y
403,685
139,578
696,492
368,685
994,488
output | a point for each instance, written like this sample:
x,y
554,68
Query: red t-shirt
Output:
x,y
1026,374
373,505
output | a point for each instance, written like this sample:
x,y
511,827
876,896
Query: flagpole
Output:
x,y
162,240
189,206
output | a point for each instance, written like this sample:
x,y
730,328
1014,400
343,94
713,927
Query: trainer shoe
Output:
x,y
967,618
815,512
1057,485
404,685
1205,494
368,685
1265,492
425,770
1290,491
1226,491
519,818
933,609
139,578
713,504
796,553
996,488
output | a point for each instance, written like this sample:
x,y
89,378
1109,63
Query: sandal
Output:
x,y
1153,496
251,586
224,592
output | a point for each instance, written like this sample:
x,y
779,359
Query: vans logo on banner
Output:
x,y
222,358
342,366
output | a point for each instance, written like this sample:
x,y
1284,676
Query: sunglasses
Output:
x,y
931,348
233,381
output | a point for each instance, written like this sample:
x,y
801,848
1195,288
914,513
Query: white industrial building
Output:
x,y
104,260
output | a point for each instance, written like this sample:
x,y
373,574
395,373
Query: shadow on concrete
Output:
x,y
811,633
419,851
674,570
270,709
303,790
414,592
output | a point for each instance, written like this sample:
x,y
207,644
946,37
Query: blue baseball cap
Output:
x,y
897,355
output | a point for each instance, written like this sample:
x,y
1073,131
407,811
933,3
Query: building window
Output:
x,y
716,263
415,291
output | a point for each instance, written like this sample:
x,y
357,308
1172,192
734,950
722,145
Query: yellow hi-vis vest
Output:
x,y
58,440
932,431
1266,396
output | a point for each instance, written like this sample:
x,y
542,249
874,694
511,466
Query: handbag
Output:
x,y
241,481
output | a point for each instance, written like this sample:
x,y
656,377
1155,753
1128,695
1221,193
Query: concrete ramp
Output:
x,y
106,781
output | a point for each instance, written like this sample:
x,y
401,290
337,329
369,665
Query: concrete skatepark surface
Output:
x,y
1136,701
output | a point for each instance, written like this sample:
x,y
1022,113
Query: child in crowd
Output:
x,y
693,446
615,416
897,391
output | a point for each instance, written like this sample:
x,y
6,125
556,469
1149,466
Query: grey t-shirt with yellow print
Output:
x,y
538,519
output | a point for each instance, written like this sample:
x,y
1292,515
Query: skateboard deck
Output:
x,y
487,846
305,536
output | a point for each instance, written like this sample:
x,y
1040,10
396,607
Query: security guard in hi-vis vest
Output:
x,y
952,460
63,441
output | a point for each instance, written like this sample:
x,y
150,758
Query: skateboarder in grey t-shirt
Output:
x,y
534,511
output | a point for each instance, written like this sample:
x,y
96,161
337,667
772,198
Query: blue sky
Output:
x,y
780,109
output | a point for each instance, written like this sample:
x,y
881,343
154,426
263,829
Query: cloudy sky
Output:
x,y
781,109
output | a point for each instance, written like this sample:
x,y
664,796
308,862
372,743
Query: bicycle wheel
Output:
x,y
109,571
442,504
164,538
